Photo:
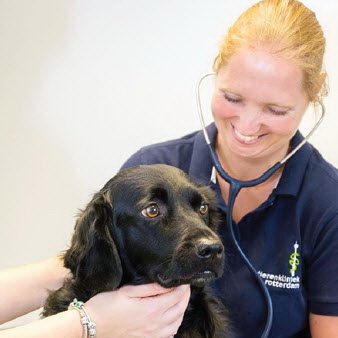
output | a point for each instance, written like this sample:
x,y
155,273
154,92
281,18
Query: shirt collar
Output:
x,y
294,170
201,167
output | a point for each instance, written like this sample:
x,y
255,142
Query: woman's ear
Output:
x,y
93,256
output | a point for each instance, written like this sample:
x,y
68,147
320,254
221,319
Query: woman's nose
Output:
x,y
249,122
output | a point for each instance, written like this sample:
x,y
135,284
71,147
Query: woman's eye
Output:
x,y
277,111
151,211
204,209
231,99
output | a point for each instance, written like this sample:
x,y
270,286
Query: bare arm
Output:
x,y
64,324
24,289
323,326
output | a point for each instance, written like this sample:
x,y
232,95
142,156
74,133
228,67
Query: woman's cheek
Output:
x,y
283,126
221,109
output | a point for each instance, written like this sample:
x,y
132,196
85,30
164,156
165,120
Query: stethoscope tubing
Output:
x,y
237,185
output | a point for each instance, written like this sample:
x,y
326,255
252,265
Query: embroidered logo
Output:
x,y
282,281
294,261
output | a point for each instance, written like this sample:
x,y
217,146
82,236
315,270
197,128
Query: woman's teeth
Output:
x,y
245,138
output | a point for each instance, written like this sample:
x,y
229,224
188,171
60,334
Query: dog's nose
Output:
x,y
209,250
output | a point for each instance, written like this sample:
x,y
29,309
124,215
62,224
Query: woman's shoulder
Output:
x,y
320,190
310,184
322,174
176,152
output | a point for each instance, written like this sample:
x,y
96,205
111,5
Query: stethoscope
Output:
x,y
236,186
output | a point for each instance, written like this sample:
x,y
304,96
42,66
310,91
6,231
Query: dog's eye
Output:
x,y
151,211
204,209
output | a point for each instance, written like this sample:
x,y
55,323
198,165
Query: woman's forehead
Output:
x,y
258,72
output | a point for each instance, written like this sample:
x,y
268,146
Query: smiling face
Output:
x,y
257,105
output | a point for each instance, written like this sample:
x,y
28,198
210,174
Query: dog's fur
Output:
x,y
115,244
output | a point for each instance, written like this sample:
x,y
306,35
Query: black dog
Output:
x,y
148,224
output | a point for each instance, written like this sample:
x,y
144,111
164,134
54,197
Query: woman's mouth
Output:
x,y
246,139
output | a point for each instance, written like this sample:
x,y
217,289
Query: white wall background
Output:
x,y
84,84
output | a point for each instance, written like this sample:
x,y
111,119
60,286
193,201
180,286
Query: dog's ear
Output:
x,y
93,256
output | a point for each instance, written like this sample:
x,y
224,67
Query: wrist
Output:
x,y
75,326
63,324
89,330
58,272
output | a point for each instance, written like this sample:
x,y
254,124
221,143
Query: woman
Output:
x,y
269,69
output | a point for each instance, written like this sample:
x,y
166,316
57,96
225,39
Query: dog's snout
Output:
x,y
209,250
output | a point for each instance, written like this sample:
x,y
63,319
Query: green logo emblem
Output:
x,y
294,261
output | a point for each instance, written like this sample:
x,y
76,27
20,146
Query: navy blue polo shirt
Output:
x,y
291,239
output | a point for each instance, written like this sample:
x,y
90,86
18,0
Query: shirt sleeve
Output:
x,y
322,273
133,161
174,153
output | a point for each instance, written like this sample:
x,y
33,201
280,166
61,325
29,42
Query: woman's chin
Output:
x,y
252,149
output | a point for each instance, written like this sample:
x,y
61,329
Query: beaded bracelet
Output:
x,y
88,326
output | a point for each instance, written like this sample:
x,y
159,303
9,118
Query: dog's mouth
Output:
x,y
199,279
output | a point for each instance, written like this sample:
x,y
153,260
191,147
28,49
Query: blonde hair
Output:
x,y
290,30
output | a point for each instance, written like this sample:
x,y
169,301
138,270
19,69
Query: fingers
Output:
x,y
154,294
158,312
180,306
179,295
171,330
172,317
145,290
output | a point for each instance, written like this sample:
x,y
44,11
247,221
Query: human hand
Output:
x,y
139,311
